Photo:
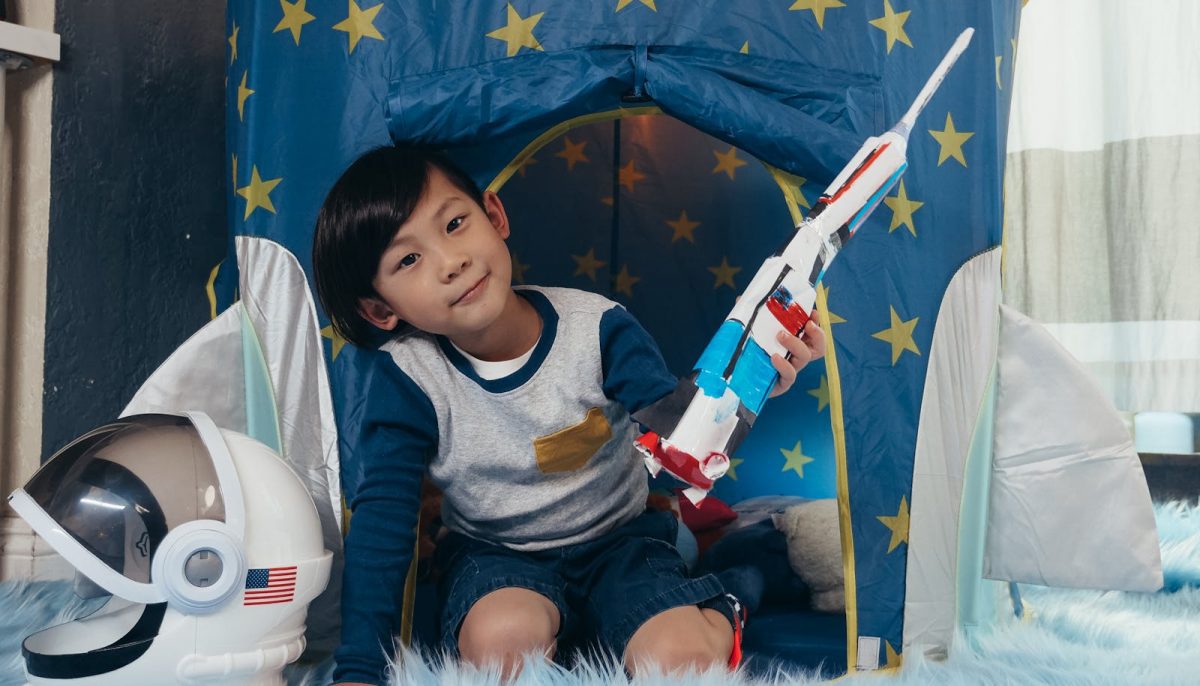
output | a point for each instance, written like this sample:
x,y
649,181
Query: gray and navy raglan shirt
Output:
x,y
537,459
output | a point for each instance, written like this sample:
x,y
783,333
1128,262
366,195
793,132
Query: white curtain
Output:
x,y
1102,236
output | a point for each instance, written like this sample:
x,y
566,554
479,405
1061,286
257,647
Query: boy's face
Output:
x,y
447,270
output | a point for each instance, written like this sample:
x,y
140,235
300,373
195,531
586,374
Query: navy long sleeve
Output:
x,y
635,374
396,432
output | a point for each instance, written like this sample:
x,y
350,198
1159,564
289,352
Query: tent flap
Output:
x,y
1069,503
745,102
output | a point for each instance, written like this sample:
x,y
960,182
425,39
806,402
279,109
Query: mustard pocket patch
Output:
x,y
571,448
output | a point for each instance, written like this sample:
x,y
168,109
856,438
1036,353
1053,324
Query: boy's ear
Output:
x,y
495,212
378,313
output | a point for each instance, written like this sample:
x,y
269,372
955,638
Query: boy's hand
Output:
x,y
809,346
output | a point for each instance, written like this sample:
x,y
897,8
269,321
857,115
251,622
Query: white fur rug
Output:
x,y
1073,638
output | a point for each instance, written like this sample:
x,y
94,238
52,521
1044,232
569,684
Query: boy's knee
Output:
x,y
504,626
695,646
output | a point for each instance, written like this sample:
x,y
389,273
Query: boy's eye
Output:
x,y
408,260
454,224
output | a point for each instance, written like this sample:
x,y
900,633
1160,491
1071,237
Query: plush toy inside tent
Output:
x,y
656,152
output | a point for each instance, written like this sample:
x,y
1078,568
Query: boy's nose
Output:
x,y
456,264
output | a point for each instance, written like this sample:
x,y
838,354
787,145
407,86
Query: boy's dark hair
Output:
x,y
360,216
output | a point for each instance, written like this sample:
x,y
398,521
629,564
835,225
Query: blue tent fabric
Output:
x,y
479,103
798,84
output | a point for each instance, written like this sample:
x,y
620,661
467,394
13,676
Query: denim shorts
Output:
x,y
604,589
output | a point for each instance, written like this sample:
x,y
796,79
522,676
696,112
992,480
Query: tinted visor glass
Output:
x,y
119,489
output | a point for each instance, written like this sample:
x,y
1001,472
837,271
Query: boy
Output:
x,y
516,402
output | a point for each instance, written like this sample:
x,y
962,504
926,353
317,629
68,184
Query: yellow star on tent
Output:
x,y
684,228
360,24
828,318
821,393
724,274
587,264
572,153
795,460
728,162
817,7
951,142
893,658
622,4
892,23
234,177
733,465
607,200
897,524
745,50
258,193
338,341
629,175
525,163
295,16
624,281
233,43
243,93
518,32
902,210
899,335
518,269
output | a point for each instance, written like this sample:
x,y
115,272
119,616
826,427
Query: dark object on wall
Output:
x,y
1172,477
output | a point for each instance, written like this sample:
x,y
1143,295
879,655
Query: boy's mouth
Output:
x,y
471,293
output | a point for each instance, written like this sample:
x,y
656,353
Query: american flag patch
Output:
x,y
270,585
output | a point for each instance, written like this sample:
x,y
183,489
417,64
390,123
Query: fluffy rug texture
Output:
x,y
1068,638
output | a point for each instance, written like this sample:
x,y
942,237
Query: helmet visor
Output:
x,y
119,489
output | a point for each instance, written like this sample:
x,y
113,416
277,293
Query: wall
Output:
x,y
111,222
137,218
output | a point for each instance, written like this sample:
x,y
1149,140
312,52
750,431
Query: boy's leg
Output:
x,y
504,625
643,605
498,604
681,638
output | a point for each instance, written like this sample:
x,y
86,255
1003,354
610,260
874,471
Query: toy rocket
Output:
x,y
692,431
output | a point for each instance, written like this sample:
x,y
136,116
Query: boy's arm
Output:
x,y
635,374
390,434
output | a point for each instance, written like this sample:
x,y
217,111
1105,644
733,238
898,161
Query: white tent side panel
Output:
x,y
204,373
961,358
275,324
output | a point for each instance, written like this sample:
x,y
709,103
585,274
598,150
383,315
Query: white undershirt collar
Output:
x,y
490,371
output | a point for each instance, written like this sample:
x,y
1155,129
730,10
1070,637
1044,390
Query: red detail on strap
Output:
x,y
735,656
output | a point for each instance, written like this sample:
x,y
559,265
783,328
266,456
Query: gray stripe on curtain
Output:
x,y
1105,236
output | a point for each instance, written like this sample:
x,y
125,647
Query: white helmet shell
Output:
x,y
208,543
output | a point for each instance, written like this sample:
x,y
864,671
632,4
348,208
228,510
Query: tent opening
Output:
x,y
672,223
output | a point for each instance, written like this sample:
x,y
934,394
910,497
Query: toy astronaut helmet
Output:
x,y
207,544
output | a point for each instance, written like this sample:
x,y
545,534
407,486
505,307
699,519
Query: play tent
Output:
x,y
656,151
